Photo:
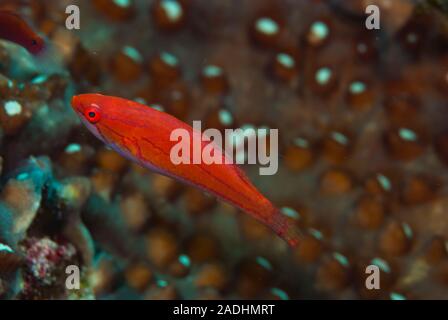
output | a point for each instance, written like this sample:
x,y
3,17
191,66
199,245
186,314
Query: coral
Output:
x,y
45,261
22,194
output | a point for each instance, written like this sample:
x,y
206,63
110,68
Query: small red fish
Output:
x,y
13,28
142,134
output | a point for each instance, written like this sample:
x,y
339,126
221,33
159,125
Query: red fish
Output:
x,y
13,28
142,134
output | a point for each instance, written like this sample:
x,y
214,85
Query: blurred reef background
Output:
x,y
363,125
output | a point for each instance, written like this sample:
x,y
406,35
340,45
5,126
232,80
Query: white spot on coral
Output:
x,y
185,260
264,263
380,263
316,234
323,75
300,142
286,60
158,107
40,79
73,148
407,230
172,9
320,29
169,59
290,212
140,100
267,26
225,117
212,71
12,108
407,134
132,53
4,247
339,137
341,259
384,181
22,176
397,296
123,3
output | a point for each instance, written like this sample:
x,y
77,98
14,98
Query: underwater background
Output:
x,y
363,134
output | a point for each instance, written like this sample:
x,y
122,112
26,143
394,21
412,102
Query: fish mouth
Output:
x,y
77,105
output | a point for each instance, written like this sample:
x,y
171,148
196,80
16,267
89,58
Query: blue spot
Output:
x,y
380,263
123,3
132,53
316,234
22,176
357,87
184,260
162,283
267,26
4,247
140,100
407,134
40,79
264,263
319,29
407,230
286,60
397,296
225,117
212,71
280,293
339,137
323,75
169,59
341,259
300,142
158,107
290,212
384,181
73,148
172,9
12,108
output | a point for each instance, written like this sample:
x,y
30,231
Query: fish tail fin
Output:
x,y
285,228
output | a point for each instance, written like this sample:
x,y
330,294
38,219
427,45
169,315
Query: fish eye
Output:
x,y
92,114
34,42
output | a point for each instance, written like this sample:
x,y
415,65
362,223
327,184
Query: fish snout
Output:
x,y
76,104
